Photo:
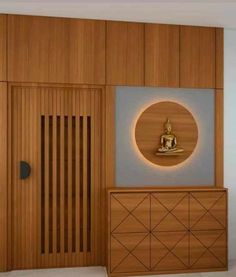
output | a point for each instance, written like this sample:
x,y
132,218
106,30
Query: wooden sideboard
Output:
x,y
153,231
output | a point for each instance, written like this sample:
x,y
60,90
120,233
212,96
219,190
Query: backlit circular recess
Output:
x,y
166,133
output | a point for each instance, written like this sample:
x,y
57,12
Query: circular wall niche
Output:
x,y
150,127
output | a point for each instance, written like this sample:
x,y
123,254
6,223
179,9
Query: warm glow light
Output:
x,y
149,163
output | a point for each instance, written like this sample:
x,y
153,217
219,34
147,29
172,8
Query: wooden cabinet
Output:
x,y
167,231
161,55
44,49
125,53
197,57
3,46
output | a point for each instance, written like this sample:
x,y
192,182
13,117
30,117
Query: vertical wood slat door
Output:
x,y
55,211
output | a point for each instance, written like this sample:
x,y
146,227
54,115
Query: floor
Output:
x,y
101,272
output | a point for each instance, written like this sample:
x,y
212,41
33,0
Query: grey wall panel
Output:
x,y
132,169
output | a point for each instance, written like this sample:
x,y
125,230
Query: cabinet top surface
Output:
x,y
166,189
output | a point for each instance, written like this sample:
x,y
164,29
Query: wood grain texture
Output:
x,y
124,53
169,251
57,222
109,123
208,225
56,50
131,252
207,210
150,127
3,47
197,57
108,158
9,191
3,178
156,231
161,55
129,227
208,249
219,138
219,58
125,208
169,211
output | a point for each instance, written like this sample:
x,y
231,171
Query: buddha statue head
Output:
x,y
167,127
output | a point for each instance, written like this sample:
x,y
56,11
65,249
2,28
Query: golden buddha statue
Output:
x,y
168,141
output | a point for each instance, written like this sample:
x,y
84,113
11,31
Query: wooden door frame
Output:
x,y
3,177
108,166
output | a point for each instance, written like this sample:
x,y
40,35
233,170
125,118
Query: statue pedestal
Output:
x,y
170,154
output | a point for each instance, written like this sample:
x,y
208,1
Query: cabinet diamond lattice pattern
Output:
x,y
164,231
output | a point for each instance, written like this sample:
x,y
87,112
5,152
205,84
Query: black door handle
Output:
x,y
25,170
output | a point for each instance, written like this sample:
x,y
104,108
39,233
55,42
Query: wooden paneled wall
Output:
x,y
59,50
162,55
125,53
197,57
219,58
56,50
3,47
